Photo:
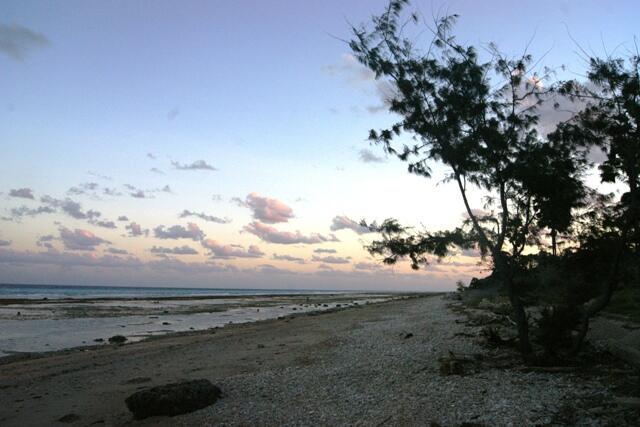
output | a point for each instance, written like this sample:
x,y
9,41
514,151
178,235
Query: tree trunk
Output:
x,y
599,303
554,233
522,323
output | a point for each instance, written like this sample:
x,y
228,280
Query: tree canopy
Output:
x,y
479,118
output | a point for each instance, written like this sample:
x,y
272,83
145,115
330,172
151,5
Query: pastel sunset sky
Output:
x,y
223,143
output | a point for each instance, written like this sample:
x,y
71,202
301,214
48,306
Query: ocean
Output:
x,y
54,292
40,318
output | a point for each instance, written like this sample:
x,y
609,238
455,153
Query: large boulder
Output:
x,y
173,399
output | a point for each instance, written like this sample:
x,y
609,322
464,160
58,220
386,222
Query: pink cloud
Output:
x,y
272,235
80,240
231,251
270,211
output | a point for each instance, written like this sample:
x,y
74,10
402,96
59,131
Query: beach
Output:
x,y
375,364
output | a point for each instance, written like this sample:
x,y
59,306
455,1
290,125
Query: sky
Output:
x,y
223,143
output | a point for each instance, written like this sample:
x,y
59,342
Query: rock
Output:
x,y
166,323
117,339
69,418
99,340
409,335
173,399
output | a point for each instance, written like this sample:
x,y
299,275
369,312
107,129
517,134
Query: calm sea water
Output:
x,y
87,292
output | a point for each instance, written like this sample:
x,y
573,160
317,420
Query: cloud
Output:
x,y
366,156
105,224
267,210
80,240
342,222
111,192
189,268
349,66
192,231
101,176
218,250
359,76
330,259
123,218
52,205
17,41
5,242
269,269
216,197
367,266
45,241
135,192
177,250
151,156
139,193
324,251
238,201
24,193
288,258
197,165
22,211
70,207
172,114
85,188
156,170
66,259
272,235
117,251
210,218
136,230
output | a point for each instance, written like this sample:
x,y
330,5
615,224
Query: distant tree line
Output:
x,y
552,241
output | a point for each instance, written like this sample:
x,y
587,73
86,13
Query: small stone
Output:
x,y
117,339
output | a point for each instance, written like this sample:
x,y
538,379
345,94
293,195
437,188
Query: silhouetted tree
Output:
x,y
477,118
611,121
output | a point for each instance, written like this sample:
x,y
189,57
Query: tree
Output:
x,y
611,121
477,118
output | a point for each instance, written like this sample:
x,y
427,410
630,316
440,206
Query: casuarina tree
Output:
x,y
478,118
610,121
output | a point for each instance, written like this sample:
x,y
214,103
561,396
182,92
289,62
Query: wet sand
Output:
x,y
28,326
94,382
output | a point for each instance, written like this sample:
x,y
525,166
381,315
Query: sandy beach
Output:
x,y
375,364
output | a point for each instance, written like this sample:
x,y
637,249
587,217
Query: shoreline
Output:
x,y
35,301
22,356
379,363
